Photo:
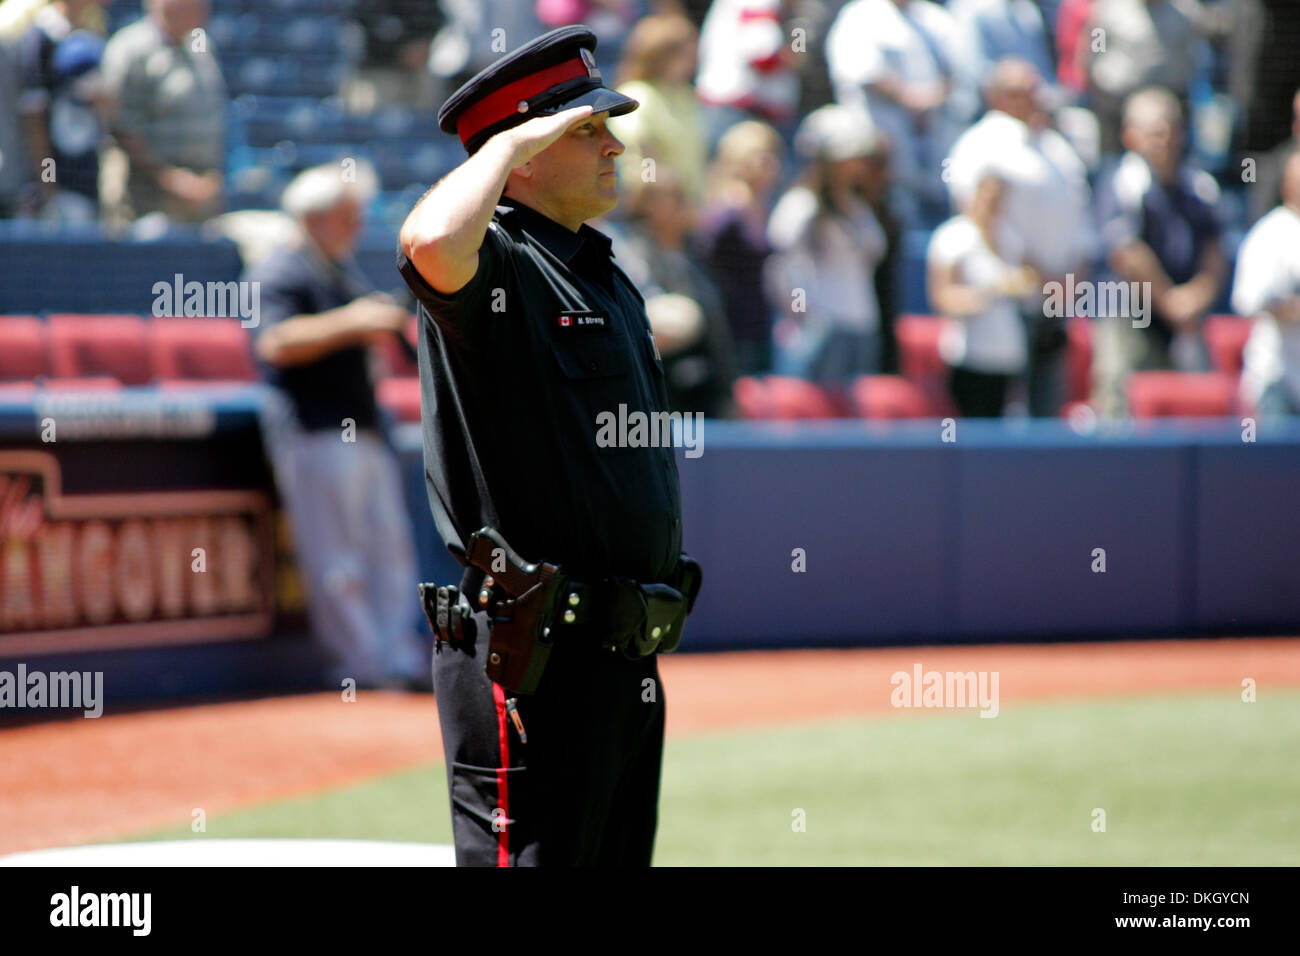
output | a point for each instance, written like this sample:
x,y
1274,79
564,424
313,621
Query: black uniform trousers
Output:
x,y
584,789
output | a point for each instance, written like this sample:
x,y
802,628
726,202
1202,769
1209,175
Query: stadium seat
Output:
x,y
401,396
24,348
257,75
265,120
918,346
1225,337
782,398
111,277
1078,359
889,396
82,346
399,363
1175,394
209,349
919,359
86,383
750,396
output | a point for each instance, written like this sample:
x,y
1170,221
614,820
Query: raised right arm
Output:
x,y
442,235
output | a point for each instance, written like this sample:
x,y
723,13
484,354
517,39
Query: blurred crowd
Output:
x,y
1051,152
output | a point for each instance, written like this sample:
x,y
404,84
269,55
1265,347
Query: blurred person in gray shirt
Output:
x,y
168,108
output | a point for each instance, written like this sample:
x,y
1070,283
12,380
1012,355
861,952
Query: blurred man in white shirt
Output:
x,y
1045,205
1267,286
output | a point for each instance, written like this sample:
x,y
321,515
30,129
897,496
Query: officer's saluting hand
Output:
x,y
442,235
545,671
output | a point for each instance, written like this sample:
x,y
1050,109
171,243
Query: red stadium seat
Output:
x,y
794,398
750,395
401,396
399,363
24,348
919,359
1225,337
1078,359
89,383
201,350
918,346
1174,394
890,396
88,345
782,398
190,384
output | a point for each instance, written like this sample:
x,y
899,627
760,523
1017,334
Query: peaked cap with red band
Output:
x,y
554,72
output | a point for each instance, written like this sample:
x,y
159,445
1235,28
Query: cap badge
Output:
x,y
589,62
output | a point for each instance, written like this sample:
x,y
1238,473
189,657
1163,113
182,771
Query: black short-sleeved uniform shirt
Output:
x,y
297,281
514,369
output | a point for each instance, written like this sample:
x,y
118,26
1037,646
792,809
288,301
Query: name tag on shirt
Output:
x,y
582,322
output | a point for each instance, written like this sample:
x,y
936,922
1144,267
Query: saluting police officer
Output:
x,y
529,330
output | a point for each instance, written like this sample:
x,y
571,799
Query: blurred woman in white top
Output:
x,y
826,245
975,274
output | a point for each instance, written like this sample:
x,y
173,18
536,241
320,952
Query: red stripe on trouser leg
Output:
x,y
503,786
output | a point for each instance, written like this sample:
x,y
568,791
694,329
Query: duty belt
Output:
x,y
531,606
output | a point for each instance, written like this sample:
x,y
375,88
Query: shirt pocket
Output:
x,y
596,371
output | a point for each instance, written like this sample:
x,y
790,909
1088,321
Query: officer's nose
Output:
x,y
613,145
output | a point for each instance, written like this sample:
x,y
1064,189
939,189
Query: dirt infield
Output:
x,y
78,780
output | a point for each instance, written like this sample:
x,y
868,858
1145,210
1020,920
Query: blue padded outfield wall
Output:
x,y
905,538
991,537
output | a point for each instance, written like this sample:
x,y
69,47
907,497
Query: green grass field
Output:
x,y
1184,780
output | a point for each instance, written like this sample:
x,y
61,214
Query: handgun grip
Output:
x,y
518,575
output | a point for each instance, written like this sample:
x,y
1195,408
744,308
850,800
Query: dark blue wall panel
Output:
x,y
868,521
1030,519
1248,535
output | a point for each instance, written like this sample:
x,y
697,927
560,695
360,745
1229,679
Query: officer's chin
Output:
x,y
608,201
